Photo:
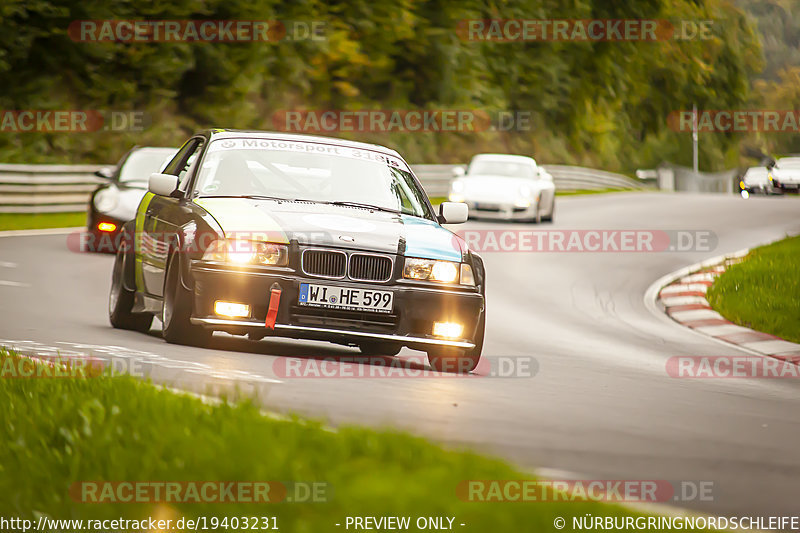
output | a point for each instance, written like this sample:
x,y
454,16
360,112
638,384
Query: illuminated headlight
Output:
x,y
244,252
106,200
456,192
455,197
431,270
231,309
450,330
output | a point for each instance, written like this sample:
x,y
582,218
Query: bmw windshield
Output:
x,y
310,172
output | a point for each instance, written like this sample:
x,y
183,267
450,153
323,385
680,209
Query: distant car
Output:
x,y
273,234
114,203
510,187
785,174
756,181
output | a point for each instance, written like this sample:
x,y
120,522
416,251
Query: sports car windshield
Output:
x,y
311,172
501,168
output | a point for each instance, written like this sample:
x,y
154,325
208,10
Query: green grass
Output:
x,y
763,291
9,221
55,432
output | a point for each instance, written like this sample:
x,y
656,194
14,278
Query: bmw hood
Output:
x,y
314,224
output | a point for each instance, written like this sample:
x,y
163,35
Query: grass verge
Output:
x,y
14,221
763,291
56,432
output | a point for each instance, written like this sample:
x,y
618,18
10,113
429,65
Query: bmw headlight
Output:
x,y
243,252
441,271
106,200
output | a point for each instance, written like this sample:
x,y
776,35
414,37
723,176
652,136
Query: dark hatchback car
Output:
x,y
114,202
269,234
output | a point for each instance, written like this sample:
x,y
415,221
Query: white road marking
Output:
x,y
7,264
116,354
725,329
6,283
683,300
772,346
699,314
684,287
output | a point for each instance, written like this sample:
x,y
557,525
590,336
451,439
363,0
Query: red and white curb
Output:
x,y
682,296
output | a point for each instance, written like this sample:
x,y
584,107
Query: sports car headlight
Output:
x,y
431,270
106,199
244,252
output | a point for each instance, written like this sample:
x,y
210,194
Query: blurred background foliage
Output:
x,y
600,104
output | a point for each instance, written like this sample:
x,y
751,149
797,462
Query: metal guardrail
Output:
x,y
46,188
436,178
672,177
66,188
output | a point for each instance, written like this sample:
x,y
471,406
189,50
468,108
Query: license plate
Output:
x,y
333,297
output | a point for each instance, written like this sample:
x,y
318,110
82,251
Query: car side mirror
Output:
x,y
453,213
106,173
162,184
459,172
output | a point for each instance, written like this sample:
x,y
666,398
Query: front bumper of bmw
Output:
x,y
416,306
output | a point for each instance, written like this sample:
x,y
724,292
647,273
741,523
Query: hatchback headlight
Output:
x,y
244,252
441,271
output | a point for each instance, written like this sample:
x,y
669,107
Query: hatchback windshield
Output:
x,y
311,172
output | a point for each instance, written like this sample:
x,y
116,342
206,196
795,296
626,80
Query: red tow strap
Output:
x,y
274,302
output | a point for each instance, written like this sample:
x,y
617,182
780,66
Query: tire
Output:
x,y
176,311
120,300
379,348
458,360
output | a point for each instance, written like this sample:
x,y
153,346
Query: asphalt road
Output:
x,y
600,406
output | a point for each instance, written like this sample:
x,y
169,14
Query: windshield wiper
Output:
x,y
250,197
365,206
